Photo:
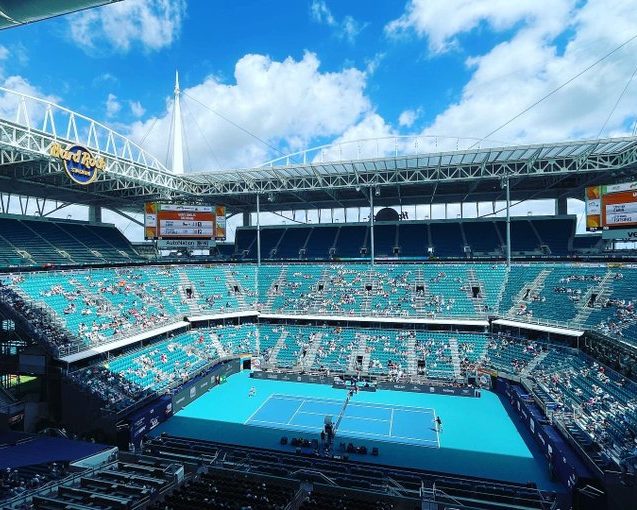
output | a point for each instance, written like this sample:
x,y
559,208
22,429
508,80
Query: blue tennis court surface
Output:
x,y
479,437
383,422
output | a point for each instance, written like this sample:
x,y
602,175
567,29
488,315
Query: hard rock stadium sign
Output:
x,y
80,164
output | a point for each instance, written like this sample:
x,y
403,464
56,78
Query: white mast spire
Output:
x,y
178,149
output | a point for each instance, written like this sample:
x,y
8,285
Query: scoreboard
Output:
x,y
613,210
201,224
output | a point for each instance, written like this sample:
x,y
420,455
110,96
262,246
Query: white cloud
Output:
x,y
9,103
372,64
548,46
136,108
442,20
348,28
407,118
151,24
321,13
288,104
105,78
369,138
113,106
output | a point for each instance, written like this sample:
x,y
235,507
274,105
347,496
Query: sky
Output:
x,y
264,79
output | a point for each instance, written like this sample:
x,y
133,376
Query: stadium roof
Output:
x,y
15,13
132,176
539,171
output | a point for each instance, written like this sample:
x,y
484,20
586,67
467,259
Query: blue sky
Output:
x,y
301,73
210,43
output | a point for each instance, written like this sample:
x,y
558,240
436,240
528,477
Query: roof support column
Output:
x,y
561,206
371,220
247,219
258,231
95,214
506,183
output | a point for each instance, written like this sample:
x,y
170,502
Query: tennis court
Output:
x,y
382,422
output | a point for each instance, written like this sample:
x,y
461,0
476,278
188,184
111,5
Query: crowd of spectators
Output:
x,y
510,354
624,316
39,322
113,389
95,306
389,292
603,402
435,356
123,380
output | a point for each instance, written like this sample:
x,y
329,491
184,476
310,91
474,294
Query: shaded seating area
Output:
x,y
542,236
30,241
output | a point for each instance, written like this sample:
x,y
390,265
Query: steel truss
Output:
x,y
458,166
133,176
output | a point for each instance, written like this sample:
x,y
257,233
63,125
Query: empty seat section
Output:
x,y
226,250
291,243
523,237
482,237
320,241
556,233
246,242
350,241
63,241
587,243
270,238
384,239
446,239
413,239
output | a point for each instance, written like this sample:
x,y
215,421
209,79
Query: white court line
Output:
x,y
414,411
390,406
335,404
389,439
362,405
346,417
366,405
294,414
258,409
308,399
318,414
283,426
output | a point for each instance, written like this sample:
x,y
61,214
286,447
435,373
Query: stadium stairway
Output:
x,y
526,292
422,295
455,356
306,362
276,289
478,300
410,352
214,340
235,289
534,363
278,346
359,352
595,298
191,300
